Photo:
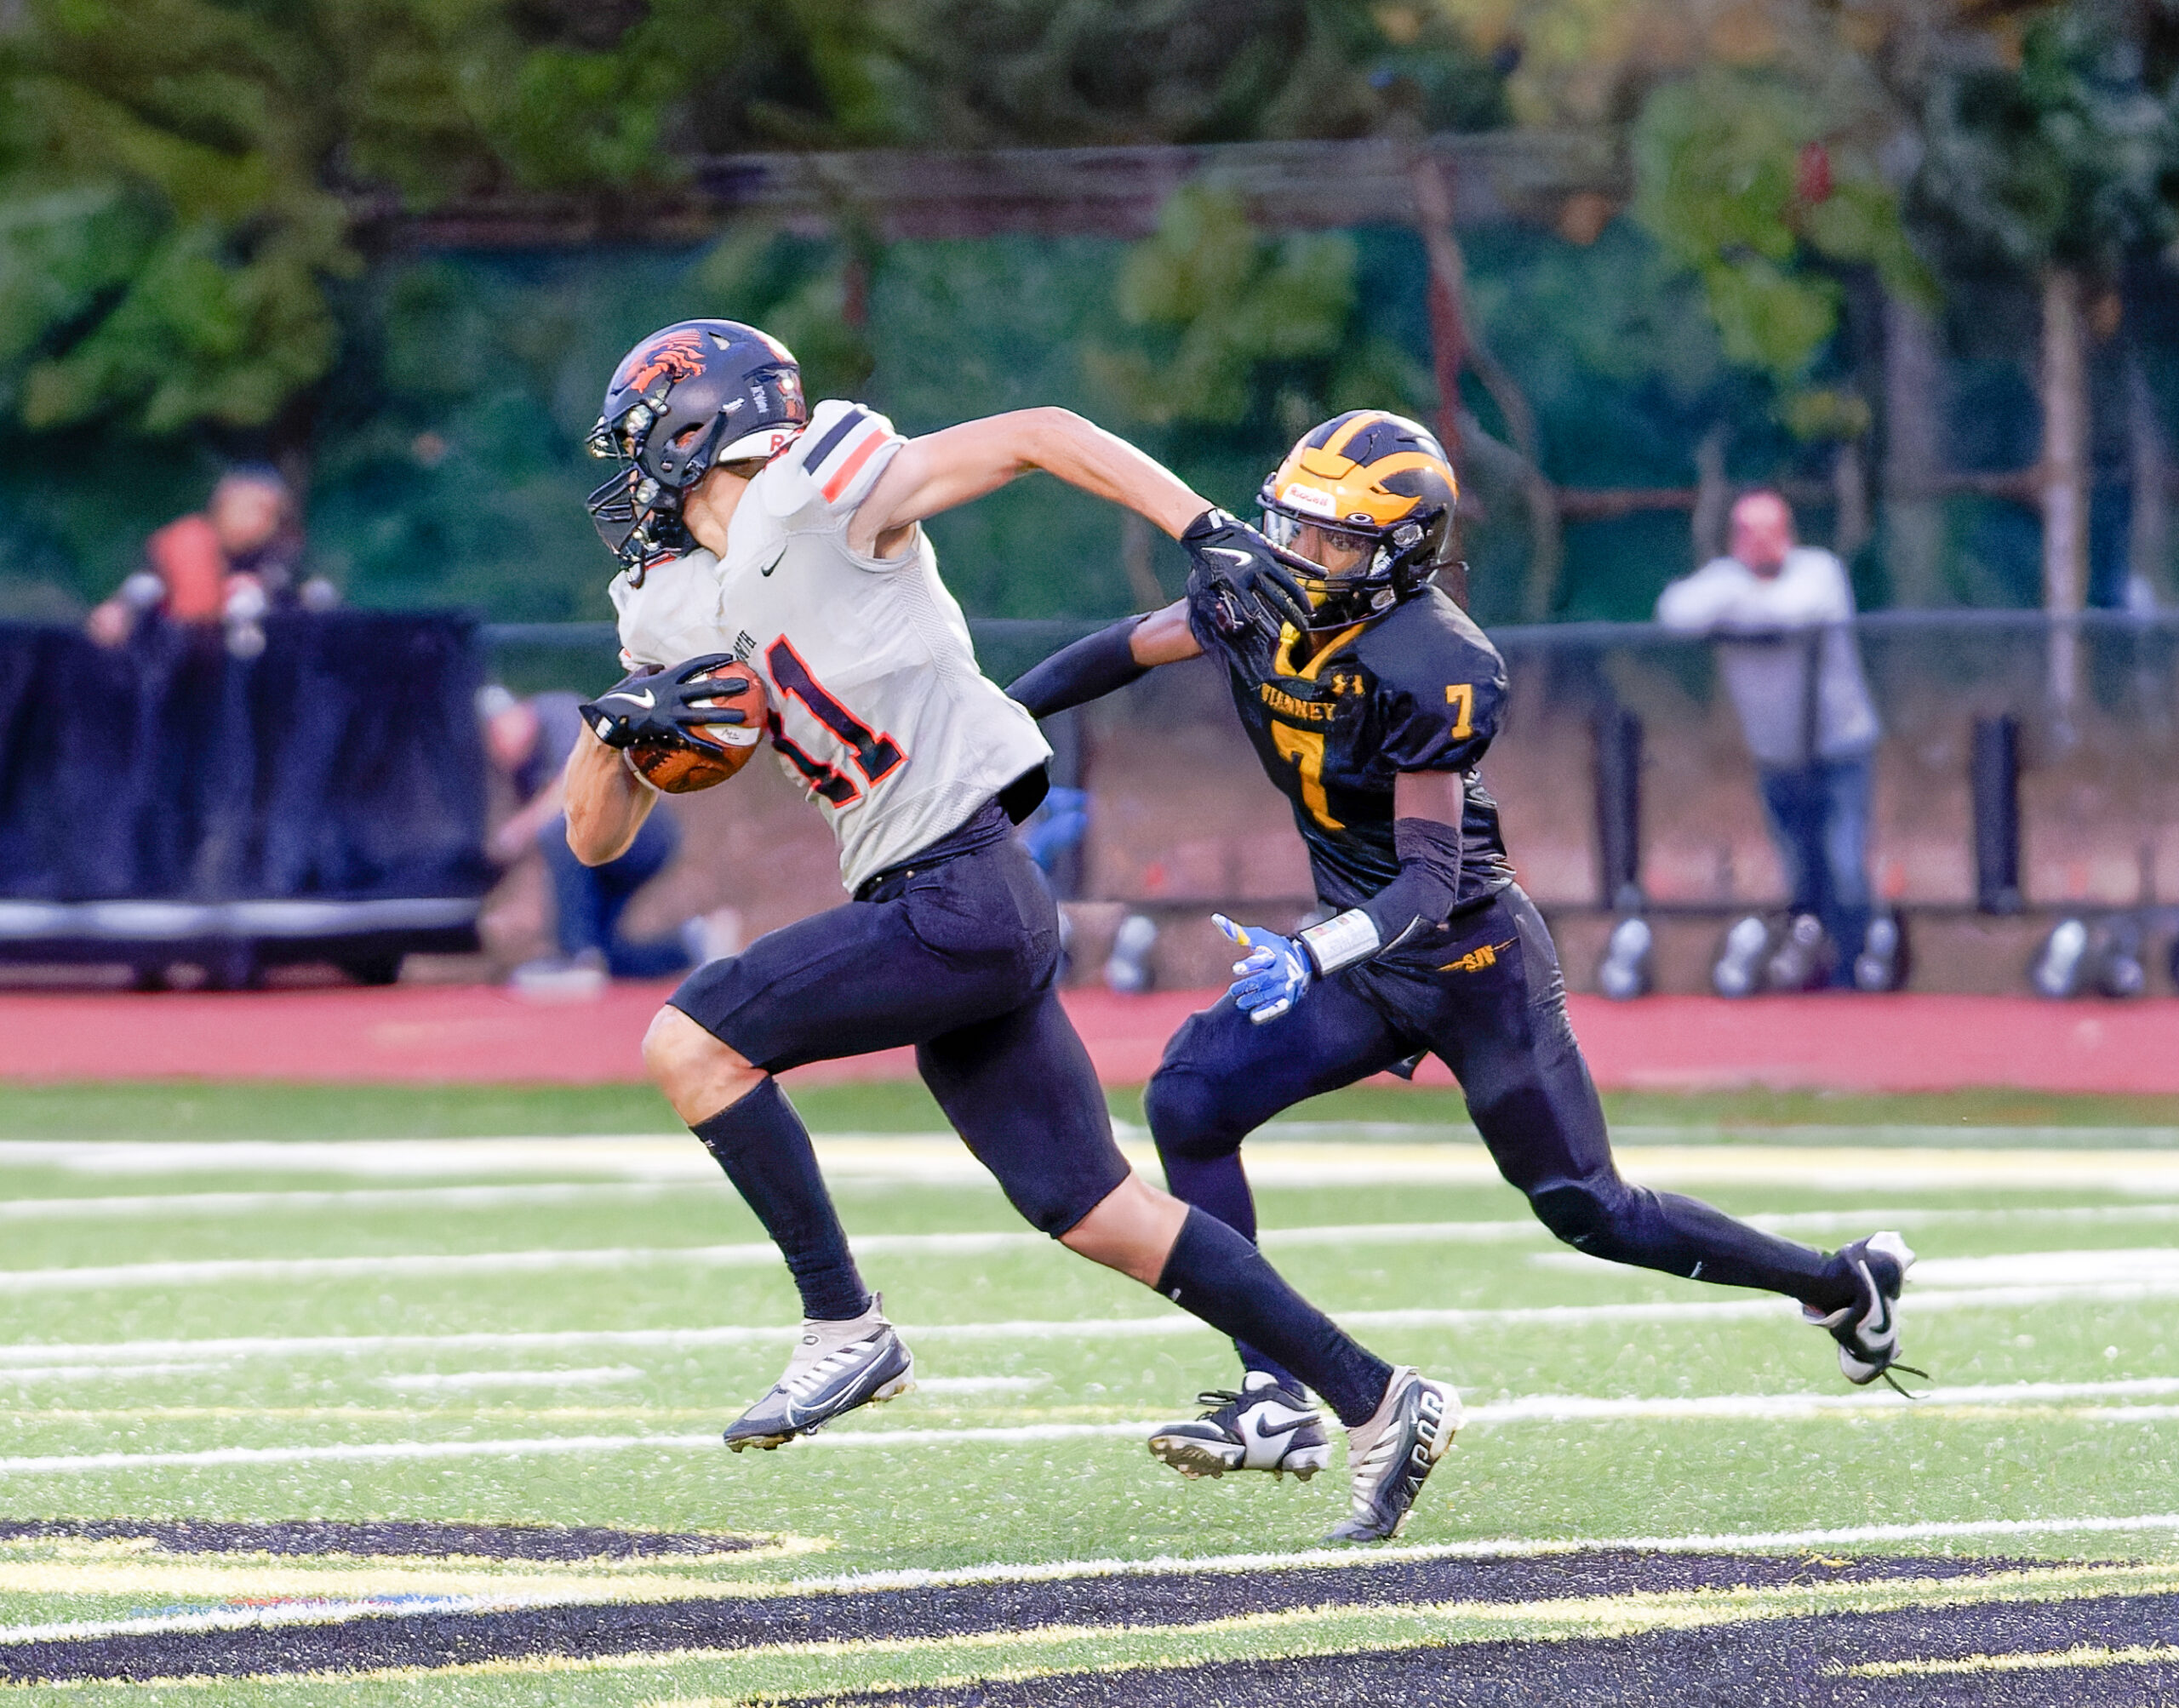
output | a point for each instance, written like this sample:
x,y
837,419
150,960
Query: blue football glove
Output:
x,y
1272,977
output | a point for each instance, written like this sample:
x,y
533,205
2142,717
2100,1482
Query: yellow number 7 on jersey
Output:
x,y
1306,748
1460,696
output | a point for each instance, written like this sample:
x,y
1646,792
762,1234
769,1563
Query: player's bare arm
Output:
x,y
955,465
606,801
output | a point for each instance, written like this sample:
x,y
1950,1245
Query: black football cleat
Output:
x,y
1388,1458
1867,1330
836,1367
1264,1427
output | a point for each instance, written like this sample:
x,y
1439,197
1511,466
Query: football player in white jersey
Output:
x,y
752,527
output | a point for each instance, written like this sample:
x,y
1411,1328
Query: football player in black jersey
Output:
x,y
1370,697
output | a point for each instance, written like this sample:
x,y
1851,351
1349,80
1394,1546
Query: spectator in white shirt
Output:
x,y
1776,608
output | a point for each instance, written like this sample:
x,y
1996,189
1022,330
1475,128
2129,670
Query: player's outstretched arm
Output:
x,y
607,803
1096,664
954,466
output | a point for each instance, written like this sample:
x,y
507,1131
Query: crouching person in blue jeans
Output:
x,y
530,740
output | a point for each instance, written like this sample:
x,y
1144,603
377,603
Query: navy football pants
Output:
x,y
955,955
1484,993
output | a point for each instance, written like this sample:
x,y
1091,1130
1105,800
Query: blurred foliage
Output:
x,y
2070,157
180,178
1229,324
1736,178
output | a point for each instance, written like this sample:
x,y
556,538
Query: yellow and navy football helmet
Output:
x,y
1382,482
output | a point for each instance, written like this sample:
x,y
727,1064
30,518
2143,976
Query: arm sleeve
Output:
x,y
1429,879
1091,668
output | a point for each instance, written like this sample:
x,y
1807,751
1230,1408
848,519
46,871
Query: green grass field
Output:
x,y
239,1304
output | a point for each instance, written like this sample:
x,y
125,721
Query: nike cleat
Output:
x,y
1867,1330
1388,1458
836,1367
1264,1427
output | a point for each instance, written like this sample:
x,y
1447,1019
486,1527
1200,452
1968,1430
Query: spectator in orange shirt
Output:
x,y
229,564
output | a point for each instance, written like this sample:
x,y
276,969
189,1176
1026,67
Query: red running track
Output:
x,y
442,1034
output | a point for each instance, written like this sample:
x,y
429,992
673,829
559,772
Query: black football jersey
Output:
x,y
1418,689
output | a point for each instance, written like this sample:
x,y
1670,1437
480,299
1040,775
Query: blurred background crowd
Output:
x,y
357,269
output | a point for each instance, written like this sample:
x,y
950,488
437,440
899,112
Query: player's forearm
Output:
x,y
937,472
1426,807
1101,664
1084,454
606,802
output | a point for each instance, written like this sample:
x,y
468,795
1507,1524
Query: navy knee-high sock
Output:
x,y
1217,1185
1216,1275
766,1150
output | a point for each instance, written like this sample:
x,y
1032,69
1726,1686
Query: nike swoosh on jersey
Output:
x,y
646,700
774,564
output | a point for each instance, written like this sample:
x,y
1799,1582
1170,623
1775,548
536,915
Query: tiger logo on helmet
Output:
x,y
1379,481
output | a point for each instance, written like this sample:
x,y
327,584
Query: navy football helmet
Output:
x,y
688,398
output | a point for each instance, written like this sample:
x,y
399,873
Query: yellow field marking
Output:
x,y
130,1567
1333,1629
2081,1654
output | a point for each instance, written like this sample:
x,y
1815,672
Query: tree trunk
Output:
x,y
1914,454
1713,498
1134,557
1850,480
1433,207
2063,476
2148,544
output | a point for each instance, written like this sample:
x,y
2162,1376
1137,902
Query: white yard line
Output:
x,y
1847,1158
1526,1408
171,1205
461,1381
121,1354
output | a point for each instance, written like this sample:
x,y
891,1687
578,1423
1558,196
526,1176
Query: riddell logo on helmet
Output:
x,y
677,355
1310,500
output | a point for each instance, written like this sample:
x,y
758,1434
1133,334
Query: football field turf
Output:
x,y
292,1379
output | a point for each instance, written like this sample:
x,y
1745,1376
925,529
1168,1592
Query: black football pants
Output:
x,y
955,954
1484,993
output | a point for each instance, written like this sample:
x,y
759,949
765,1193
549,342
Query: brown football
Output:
x,y
725,749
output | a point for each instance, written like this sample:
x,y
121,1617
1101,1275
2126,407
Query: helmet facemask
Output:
x,y
1391,562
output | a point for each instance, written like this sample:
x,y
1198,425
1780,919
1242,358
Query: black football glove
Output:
x,y
1253,584
663,705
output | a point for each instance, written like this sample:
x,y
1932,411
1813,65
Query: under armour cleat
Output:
x,y
1388,1458
836,1367
1867,1330
1264,1427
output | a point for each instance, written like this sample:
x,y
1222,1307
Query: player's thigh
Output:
x,y
1020,1090
1224,1072
1499,1022
845,982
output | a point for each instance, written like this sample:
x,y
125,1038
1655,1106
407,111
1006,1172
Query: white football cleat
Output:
x,y
1264,1427
1867,1330
1388,1458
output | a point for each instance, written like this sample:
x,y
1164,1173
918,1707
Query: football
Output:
x,y
725,749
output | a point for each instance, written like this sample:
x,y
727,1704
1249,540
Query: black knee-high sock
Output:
x,y
1217,1184
766,1152
1216,1275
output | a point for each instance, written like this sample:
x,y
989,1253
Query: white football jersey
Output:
x,y
878,708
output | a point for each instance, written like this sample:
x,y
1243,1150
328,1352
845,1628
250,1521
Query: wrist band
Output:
x,y
1341,940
